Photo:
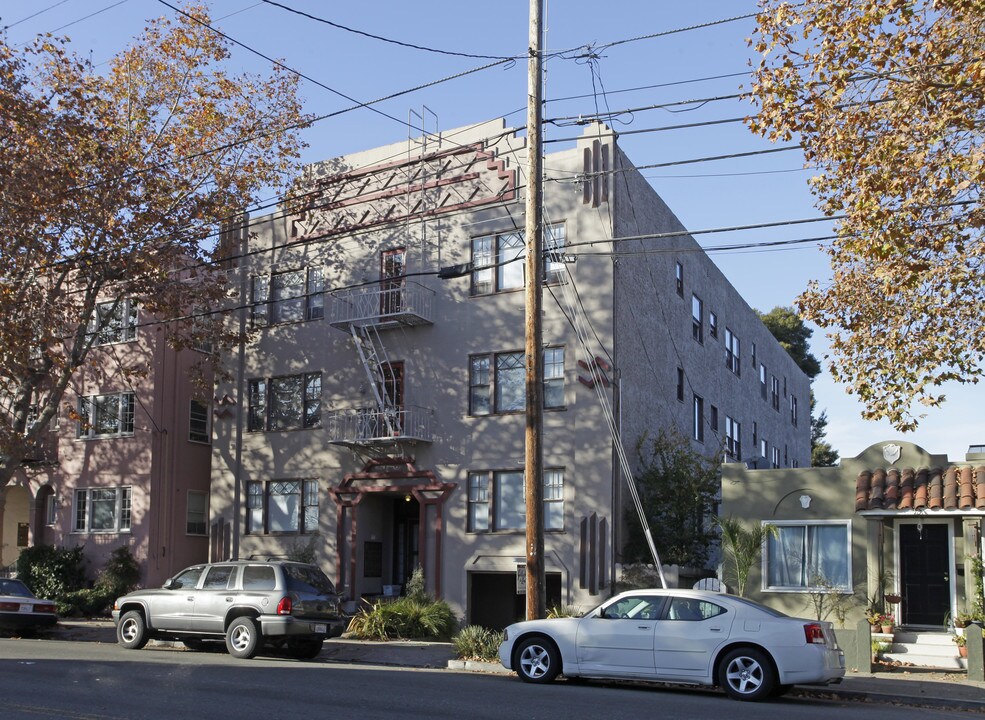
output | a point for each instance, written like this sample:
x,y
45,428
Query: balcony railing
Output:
x,y
384,304
369,425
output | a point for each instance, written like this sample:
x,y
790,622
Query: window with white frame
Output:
x,y
498,382
291,402
496,500
51,509
732,355
809,556
793,410
498,264
762,381
288,297
103,416
697,319
199,422
680,384
197,513
102,510
281,506
764,449
679,278
114,321
775,457
733,438
775,393
699,419
713,324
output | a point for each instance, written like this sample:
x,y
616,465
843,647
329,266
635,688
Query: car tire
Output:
x,y
243,638
537,660
747,674
305,648
131,632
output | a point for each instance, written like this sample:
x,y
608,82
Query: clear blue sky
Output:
x,y
699,64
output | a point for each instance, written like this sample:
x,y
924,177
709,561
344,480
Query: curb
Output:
x,y
478,666
888,699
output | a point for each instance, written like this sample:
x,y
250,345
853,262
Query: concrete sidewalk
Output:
x,y
902,686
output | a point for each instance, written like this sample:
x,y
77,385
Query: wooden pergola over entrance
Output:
x,y
394,476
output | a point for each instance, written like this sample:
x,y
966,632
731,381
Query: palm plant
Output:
x,y
741,545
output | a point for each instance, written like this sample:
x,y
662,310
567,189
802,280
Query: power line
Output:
x,y
34,14
412,46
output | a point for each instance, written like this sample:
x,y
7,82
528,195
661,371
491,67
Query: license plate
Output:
x,y
321,628
26,607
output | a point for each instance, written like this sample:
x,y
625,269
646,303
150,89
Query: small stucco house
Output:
x,y
896,525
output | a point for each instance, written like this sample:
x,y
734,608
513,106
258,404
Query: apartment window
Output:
x,y
762,380
51,509
733,438
812,556
775,393
755,434
282,506
764,449
287,297
102,510
679,278
697,319
498,259
197,513
199,422
680,384
786,457
554,242
754,354
793,410
507,508
775,458
498,382
713,418
103,416
713,324
285,403
732,351
699,419
114,321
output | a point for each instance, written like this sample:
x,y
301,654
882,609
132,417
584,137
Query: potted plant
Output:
x,y
962,642
962,619
874,618
887,622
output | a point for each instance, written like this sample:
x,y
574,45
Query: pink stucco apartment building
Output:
x,y
126,462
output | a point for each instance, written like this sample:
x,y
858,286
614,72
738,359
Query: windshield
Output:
x,y
14,587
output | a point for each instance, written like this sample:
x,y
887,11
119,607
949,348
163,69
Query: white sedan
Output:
x,y
679,636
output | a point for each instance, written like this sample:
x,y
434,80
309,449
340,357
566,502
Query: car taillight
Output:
x,y
45,609
814,634
9,606
285,605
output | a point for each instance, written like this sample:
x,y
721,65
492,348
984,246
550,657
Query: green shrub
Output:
x,y
404,618
475,642
121,574
88,602
561,611
415,586
52,572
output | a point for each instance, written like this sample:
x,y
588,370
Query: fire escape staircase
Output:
x,y
363,313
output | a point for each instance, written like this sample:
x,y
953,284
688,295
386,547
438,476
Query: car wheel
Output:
x,y
243,638
131,633
537,660
747,674
305,648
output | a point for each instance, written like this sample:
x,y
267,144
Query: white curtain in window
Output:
x,y
805,556
511,509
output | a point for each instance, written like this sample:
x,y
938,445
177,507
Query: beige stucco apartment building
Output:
x,y
376,415
126,462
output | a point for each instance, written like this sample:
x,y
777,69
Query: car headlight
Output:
x,y
506,635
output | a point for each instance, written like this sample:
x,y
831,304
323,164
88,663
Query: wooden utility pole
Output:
x,y
534,459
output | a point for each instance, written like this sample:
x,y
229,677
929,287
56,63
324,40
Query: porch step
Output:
x,y
924,649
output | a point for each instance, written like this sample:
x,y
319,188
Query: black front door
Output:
x,y
925,572
406,527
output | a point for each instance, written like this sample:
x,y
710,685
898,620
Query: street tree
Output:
x,y
793,335
112,190
678,489
888,100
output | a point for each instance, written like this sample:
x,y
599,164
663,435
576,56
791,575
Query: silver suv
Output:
x,y
247,603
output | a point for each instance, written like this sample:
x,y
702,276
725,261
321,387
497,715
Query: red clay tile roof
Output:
x,y
953,488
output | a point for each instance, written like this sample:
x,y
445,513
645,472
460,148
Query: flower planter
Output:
x,y
887,629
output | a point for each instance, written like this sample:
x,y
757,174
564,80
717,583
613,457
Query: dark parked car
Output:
x,y
21,610
245,602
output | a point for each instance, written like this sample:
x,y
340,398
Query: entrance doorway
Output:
x,y
406,538
494,602
925,573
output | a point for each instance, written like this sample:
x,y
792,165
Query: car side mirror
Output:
x,y
170,584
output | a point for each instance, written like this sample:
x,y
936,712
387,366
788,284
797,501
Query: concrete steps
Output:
x,y
922,649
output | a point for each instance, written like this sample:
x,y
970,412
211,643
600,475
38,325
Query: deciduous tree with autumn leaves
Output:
x,y
888,99
113,188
